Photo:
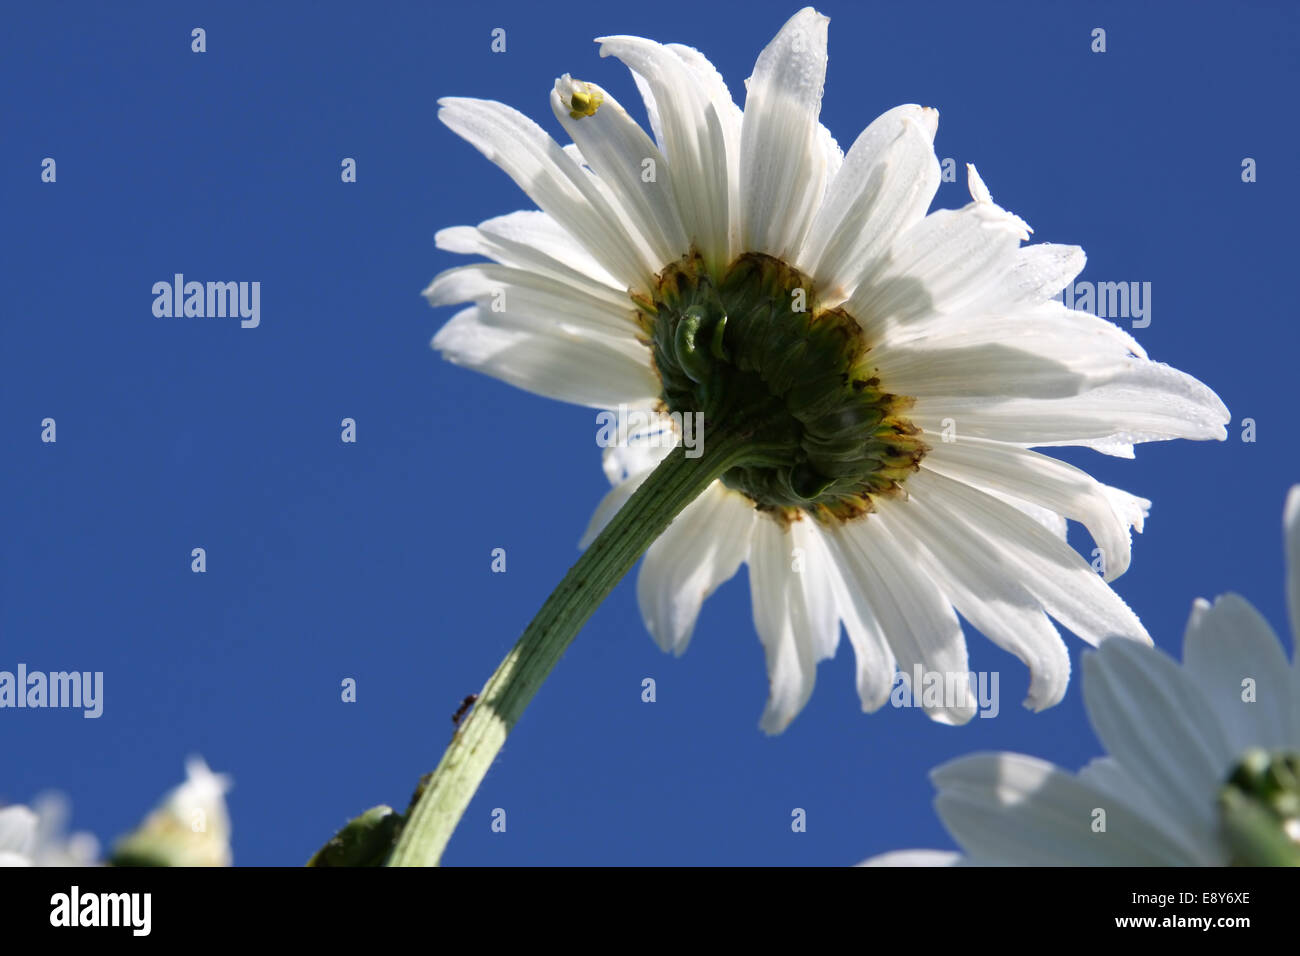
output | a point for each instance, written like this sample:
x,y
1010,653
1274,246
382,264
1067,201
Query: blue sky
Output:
x,y
372,560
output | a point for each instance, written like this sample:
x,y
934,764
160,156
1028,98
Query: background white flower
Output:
x,y
908,494
1174,735
190,827
17,835
35,835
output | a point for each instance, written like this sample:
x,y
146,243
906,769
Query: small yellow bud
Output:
x,y
585,104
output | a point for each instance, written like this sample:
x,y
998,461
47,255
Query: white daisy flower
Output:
x,y
889,369
35,836
190,827
17,835
1204,765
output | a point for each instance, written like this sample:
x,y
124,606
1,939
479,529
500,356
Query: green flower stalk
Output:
x,y
442,799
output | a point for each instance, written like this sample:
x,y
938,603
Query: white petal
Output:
x,y
916,858
651,435
519,298
18,830
832,156
554,181
618,150
1152,402
918,621
814,574
531,240
1038,273
727,117
1226,645
886,183
703,547
1047,518
990,599
978,191
1081,339
874,661
1291,533
1029,476
782,164
651,108
554,362
1021,811
1045,352
724,105
708,77
941,264
785,624
1001,370
1053,572
1153,721
1107,775
571,150
694,119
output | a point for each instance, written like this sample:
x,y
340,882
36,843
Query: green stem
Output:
x,y
441,800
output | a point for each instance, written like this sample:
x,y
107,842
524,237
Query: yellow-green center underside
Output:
x,y
754,351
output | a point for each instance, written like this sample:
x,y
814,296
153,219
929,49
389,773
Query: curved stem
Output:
x,y
442,798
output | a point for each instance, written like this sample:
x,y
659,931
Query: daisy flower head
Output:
x,y
883,370
1203,766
